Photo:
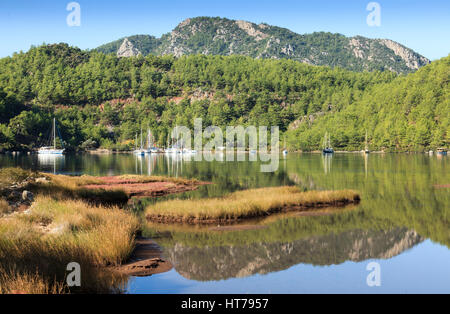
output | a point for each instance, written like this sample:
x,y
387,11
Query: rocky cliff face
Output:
x,y
412,60
219,36
218,263
127,49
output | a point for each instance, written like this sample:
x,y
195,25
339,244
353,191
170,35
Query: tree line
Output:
x,y
100,100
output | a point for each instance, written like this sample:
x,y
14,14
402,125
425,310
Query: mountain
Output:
x,y
221,36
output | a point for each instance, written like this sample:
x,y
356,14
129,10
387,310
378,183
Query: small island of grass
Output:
x,y
247,204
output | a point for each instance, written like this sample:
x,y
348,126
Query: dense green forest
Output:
x,y
103,101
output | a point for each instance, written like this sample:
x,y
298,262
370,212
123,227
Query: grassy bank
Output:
x,y
64,223
247,204
48,221
68,187
112,190
36,246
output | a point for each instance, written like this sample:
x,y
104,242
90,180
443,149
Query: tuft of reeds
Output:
x,y
146,179
247,204
4,207
62,187
9,176
13,282
55,233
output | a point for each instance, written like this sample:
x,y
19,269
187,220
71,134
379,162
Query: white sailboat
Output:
x,y
149,142
175,148
151,147
52,150
170,149
285,151
139,151
327,149
366,148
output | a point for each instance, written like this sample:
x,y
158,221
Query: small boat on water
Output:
x,y
366,149
441,151
285,151
151,148
52,150
174,146
149,142
139,151
327,149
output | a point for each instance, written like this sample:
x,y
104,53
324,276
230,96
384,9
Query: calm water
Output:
x,y
402,223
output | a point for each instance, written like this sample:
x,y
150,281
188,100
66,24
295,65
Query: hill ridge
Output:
x,y
222,36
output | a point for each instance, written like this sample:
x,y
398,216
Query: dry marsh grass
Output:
x,y
146,179
14,282
247,204
56,233
104,233
4,207
62,187
66,223
9,176
68,187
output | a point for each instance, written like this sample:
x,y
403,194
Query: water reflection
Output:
x,y
211,263
51,163
405,200
326,160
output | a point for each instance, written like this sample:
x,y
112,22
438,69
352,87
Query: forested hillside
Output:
x,y
410,113
102,100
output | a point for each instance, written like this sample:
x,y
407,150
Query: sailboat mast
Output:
x,y
150,138
54,133
367,146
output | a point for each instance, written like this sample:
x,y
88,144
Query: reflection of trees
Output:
x,y
395,188
326,161
222,262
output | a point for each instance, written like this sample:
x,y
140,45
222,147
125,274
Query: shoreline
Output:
x,y
146,260
142,186
113,151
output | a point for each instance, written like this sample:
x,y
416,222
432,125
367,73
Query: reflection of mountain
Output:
x,y
217,263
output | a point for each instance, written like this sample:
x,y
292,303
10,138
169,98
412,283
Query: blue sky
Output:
x,y
421,25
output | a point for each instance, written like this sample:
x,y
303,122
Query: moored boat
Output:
x,y
441,151
327,149
139,151
366,148
52,150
